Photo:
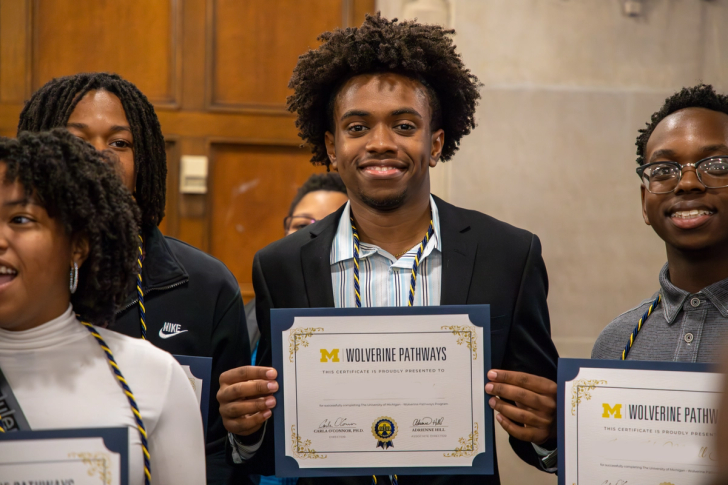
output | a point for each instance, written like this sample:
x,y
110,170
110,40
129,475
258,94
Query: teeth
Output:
x,y
380,168
6,270
691,213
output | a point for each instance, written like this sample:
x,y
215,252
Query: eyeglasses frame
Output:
x,y
641,170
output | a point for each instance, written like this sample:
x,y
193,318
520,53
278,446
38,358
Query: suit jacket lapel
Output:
x,y
458,254
315,261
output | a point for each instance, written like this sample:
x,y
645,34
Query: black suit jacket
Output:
x,y
483,261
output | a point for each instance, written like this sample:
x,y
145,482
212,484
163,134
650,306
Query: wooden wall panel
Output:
x,y
139,39
254,46
252,188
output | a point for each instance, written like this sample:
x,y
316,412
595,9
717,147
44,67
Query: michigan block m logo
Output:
x,y
616,410
333,355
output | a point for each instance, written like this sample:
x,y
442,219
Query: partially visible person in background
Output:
x,y
187,302
683,164
62,206
318,197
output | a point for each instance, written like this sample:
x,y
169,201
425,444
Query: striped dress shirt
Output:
x,y
383,279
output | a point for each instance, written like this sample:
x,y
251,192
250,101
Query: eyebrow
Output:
x,y
354,112
406,111
113,129
665,152
19,202
714,148
397,112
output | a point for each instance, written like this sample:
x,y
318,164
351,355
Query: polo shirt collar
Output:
x,y
673,298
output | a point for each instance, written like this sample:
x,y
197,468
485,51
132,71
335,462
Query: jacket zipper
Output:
x,y
169,287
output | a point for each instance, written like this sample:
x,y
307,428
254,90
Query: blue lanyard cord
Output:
x,y
140,292
637,329
393,478
129,396
413,280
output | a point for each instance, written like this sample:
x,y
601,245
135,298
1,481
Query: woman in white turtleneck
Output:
x,y
73,210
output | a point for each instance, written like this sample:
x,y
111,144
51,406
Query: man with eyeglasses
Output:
x,y
683,166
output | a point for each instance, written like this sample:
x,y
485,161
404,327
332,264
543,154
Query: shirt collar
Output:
x,y
343,245
673,298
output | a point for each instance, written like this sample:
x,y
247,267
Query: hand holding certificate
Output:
x,y
381,390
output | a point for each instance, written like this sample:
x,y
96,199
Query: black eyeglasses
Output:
x,y
295,223
663,177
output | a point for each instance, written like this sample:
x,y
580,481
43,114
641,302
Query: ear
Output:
x,y
644,210
79,249
331,149
438,141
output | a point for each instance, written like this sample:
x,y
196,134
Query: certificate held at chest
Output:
x,y
381,391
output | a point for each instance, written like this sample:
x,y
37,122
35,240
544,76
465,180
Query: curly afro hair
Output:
x,y
330,182
700,96
422,52
52,105
81,188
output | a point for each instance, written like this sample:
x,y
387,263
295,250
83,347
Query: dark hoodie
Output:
x,y
185,286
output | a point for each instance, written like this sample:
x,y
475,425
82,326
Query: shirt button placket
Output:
x,y
693,322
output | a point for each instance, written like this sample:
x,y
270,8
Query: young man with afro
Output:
x,y
381,105
683,164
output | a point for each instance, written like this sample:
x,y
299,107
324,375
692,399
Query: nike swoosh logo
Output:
x,y
168,335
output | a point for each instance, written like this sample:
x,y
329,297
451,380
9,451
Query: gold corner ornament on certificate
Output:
x,y
384,391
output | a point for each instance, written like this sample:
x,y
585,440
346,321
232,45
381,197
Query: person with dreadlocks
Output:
x,y
186,301
68,231
381,105
682,158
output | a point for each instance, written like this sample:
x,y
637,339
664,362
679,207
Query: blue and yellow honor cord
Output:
x,y
413,280
638,327
129,396
140,292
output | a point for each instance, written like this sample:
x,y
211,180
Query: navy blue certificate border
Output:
x,y
569,369
115,440
200,367
286,466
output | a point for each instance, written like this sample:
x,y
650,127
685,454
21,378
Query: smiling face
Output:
x,y
691,218
382,144
99,119
36,255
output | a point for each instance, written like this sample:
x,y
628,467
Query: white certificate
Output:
x,y
64,457
627,425
384,391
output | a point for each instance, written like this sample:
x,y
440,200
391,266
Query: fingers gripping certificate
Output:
x,y
637,422
383,391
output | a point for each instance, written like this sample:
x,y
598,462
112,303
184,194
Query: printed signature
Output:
x,y
428,422
338,423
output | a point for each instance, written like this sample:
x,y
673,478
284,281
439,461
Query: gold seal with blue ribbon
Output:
x,y
384,430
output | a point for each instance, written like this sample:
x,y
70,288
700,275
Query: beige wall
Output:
x,y
567,83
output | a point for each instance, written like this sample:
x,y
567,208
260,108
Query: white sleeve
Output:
x,y
177,444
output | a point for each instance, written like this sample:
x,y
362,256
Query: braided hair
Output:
x,y
52,105
422,52
81,188
700,96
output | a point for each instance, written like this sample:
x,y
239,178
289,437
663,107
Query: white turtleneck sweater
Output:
x,y
61,379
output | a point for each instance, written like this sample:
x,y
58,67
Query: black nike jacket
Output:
x,y
193,307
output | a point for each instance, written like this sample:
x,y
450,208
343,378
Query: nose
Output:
x,y
381,140
689,182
